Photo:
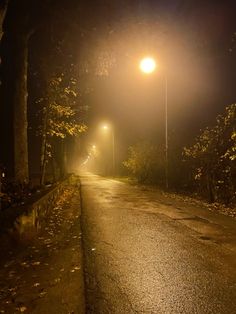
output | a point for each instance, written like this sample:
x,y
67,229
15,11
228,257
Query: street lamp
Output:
x,y
147,66
105,127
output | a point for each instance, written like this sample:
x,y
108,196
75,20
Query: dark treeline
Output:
x,y
39,102
207,168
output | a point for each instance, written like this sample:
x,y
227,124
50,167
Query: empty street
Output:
x,y
147,252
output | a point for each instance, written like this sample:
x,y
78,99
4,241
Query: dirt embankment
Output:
x,y
44,274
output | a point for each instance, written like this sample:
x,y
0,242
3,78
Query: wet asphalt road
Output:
x,y
146,252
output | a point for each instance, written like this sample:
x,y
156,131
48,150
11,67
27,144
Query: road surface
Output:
x,y
146,252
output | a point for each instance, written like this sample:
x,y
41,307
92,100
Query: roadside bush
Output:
x,y
213,158
145,162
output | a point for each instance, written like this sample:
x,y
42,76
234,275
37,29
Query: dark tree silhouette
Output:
x,y
14,55
19,24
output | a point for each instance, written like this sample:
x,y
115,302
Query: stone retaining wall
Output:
x,y
23,222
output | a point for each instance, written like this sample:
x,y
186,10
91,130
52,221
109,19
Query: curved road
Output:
x,y
146,252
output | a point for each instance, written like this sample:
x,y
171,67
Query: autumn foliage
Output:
x,y
59,118
145,162
213,158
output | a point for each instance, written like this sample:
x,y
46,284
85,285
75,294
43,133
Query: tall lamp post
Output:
x,y
148,66
105,127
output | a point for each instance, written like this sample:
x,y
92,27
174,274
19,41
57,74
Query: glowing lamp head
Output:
x,y
105,127
147,65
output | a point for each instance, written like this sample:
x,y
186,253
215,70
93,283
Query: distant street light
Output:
x,y
105,127
148,65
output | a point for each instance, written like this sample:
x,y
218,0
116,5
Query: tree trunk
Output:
x,y
43,160
3,9
14,153
53,163
20,114
210,188
62,159
43,157
17,29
